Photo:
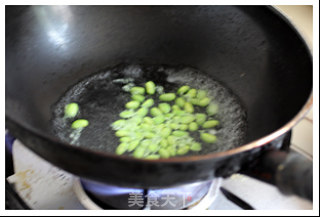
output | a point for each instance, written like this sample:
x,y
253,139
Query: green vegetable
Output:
x,y
138,97
139,152
155,112
80,123
137,90
188,107
150,88
121,133
201,94
182,90
172,151
149,135
164,107
179,133
158,119
180,102
148,120
187,119
193,126
171,140
165,132
184,127
174,126
192,93
210,124
164,143
125,139
133,145
167,97
183,150
71,110
132,105
200,118
126,114
122,148
164,153
212,109
142,112
195,146
208,138
153,157
148,103
118,124
204,102
153,147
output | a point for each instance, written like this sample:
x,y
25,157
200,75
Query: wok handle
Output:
x,y
291,172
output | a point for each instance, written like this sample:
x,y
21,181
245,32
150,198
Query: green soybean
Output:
x,y
183,150
145,143
182,90
149,135
155,112
193,126
138,97
137,90
153,147
165,132
164,153
80,123
187,119
126,114
164,143
164,107
171,140
139,152
174,126
175,108
212,109
172,151
200,118
192,93
188,107
71,110
125,139
204,102
153,157
133,145
148,103
194,101
121,133
184,127
167,97
180,102
158,119
142,112
150,88
118,124
132,105
210,124
208,138
201,94
179,133
122,148
148,120
195,146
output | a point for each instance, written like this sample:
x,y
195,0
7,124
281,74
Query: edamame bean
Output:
x,y
174,126
145,126
176,108
165,132
183,150
163,143
167,97
212,109
142,112
195,146
132,105
208,138
191,93
122,133
171,140
210,124
139,152
188,107
201,94
148,120
150,88
200,118
153,157
149,135
194,101
145,143
137,90
204,102
138,97
133,145
187,119
126,114
180,102
183,127
172,151
153,147
182,90
71,110
155,112
180,133
193,126
164,107
118,124
125,139
164,153
148,103
158,119
80,123
122,148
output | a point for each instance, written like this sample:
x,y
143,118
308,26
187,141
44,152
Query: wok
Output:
x,y
252,50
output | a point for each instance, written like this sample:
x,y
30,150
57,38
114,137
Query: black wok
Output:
x,y
252,50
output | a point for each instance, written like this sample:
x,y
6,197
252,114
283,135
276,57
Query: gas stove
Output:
x,y
41,185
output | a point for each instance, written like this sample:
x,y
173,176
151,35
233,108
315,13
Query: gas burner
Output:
x,y
97,196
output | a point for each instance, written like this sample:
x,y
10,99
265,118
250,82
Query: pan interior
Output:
x,y
101,99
